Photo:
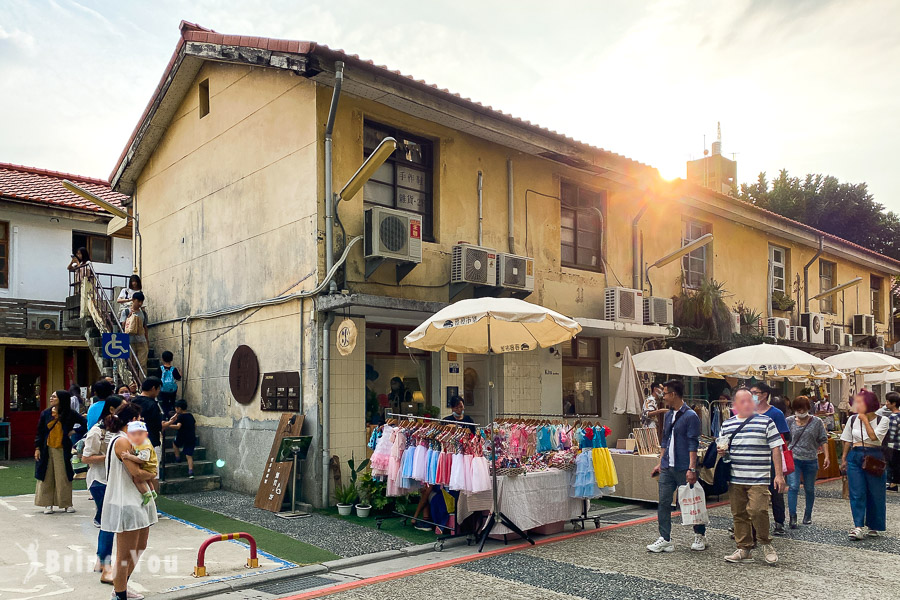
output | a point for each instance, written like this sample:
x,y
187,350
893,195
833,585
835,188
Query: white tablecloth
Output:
x,y
529,500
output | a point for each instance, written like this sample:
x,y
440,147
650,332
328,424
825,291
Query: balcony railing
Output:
x,y
35,319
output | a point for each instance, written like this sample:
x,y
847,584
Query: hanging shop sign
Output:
x,y
243,374
346,337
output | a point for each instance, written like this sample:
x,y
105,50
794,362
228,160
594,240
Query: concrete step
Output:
x,y
174,470
200,483
199,454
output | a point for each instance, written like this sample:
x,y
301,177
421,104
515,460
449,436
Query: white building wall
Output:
x,y
41,248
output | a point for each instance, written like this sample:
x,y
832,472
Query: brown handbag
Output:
x,y
872,465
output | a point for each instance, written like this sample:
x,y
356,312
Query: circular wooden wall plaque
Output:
x,y
243,374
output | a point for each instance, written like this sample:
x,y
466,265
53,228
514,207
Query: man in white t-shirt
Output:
x,y
754,446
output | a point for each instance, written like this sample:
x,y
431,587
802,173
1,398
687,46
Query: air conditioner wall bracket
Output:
x,y
403,268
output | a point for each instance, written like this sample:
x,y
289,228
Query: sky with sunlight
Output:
x,y
808,85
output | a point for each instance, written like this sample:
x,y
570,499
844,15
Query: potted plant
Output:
x,y
363,508
346,496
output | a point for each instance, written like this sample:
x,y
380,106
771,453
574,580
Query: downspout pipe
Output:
x,y
636,250
510,207
480,208
806,273
329,191
326,405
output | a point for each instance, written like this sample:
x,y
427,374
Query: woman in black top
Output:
x,y
458,408
53,453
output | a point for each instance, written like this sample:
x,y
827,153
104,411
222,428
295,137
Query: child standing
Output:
x,y
186,438
170,376
144,455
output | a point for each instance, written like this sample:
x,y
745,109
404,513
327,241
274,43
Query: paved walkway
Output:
x,y
816,562
44,556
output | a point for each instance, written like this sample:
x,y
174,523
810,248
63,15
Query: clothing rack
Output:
x,y
417,418
456,530
586,504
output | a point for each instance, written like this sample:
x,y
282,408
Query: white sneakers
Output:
x,y
70,509
769,554
661,545
859,533
48,510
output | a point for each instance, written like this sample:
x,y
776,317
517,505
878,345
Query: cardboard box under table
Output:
x,y
537,502
635,482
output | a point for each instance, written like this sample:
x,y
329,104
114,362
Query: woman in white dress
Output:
x,y
123,511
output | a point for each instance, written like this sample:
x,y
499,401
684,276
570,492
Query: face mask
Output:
x,y
756,399
802,415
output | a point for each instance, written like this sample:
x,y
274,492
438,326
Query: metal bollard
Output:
x,y
252,562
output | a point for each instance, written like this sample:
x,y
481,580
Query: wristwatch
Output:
x,y
692,470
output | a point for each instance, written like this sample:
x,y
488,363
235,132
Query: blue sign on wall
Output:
x,y
116,345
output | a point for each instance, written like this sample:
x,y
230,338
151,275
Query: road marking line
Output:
x,y
6,504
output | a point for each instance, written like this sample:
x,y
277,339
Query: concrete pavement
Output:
x,y
44,556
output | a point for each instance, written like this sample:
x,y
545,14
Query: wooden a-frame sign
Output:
x,y
276,475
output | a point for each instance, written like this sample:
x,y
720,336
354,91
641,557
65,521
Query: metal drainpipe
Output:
x,y
480,213
806,273
635,249
326,405
329,192
511,226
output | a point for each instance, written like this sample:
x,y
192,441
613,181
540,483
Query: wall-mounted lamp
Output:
x,y
701,241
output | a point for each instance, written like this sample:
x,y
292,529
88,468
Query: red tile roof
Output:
x,y
41,186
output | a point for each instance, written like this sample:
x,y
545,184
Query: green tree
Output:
x,y
846,210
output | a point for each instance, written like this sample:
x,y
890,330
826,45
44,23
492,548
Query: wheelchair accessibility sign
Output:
x,y
116,345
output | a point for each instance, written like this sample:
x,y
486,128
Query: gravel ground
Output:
x,y
335,535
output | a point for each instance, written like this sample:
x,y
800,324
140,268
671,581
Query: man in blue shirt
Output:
x,y
677,464
102,390
762,394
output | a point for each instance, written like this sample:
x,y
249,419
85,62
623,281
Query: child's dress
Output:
x,y
381,457
585,482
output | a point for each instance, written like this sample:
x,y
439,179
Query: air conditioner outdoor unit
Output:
x,y
863,325
879,341
798,334
735,322
474,264
44,320
848,340
393,234
658,311
815,327
515,272
624,305
834,335
779,328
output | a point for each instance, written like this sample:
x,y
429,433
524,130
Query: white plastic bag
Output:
x,y
692,501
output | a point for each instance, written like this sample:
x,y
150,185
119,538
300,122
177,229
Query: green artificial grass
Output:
x,y
274,543
18,478
393,526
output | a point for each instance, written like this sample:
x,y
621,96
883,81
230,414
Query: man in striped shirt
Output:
x,y
754,447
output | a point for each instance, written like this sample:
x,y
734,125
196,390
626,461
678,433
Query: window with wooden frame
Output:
x,y
581,227
875,285
581,376
827,274
694,264
98,246
778,256
4,254
387,340
405,180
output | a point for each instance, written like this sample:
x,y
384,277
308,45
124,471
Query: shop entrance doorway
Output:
x,y
25,396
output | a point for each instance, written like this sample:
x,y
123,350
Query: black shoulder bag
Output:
x,y
722,473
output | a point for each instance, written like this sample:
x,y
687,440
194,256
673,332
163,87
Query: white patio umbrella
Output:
x,y
886,377
628,394
493,326
668,361
863,362
497,325
766,360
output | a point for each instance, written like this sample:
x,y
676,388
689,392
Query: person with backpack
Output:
x,y
134,323
752,444
864,464
170,376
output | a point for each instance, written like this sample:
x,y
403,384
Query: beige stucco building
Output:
x,y
226,170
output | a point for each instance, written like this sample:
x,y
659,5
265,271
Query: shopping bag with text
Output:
x,y
692,501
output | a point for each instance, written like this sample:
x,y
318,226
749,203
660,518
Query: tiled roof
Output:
x,y
41,186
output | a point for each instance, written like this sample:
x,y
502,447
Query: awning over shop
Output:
x,y
601,328
383,309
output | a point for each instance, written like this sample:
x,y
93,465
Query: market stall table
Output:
x,y
635,482
531,500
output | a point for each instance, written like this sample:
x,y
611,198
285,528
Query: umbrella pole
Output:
x,y
496,516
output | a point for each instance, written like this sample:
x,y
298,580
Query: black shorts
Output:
x,y
187,450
